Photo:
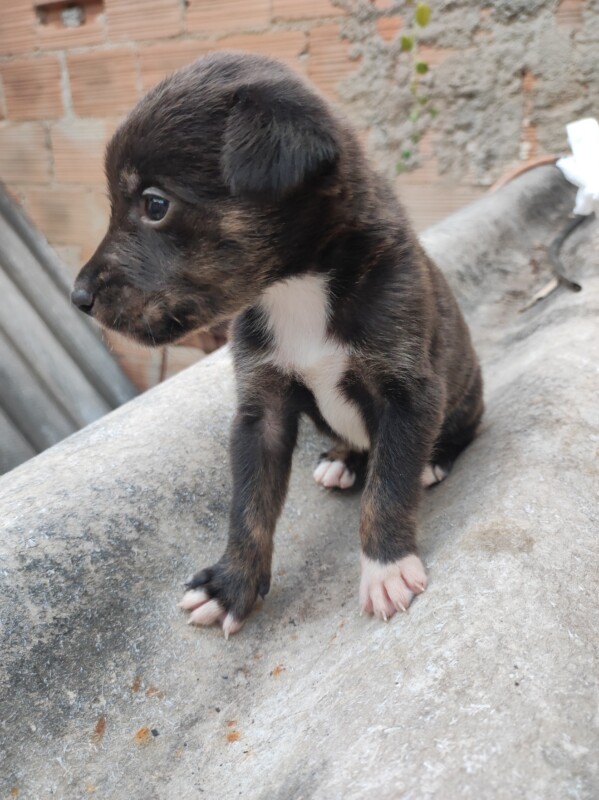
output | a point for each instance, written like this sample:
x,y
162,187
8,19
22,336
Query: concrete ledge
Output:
x,y
487,688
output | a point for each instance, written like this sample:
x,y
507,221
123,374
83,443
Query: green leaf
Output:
x,y
400,167
422,15
415,138
406,155
407,43
434,112
414,116
421,67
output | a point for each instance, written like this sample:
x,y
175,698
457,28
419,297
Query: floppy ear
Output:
x,y
276,138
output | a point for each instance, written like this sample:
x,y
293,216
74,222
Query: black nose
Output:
x,y
83,299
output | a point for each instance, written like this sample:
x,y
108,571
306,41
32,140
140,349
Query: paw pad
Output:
x,y
387,588
334,474
432,474
205,611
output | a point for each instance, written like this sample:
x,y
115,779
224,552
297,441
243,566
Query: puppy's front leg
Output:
x,y
392,572
263,439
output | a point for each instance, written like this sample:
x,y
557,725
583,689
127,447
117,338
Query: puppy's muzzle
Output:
x,y
83,299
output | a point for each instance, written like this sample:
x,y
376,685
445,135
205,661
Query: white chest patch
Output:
x,y
297,313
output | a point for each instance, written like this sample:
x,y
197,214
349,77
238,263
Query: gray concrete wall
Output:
x,y
487,688
505,77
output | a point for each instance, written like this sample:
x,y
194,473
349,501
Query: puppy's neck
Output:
x,y
297,313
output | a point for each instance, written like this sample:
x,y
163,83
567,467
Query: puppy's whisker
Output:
x,y
147,324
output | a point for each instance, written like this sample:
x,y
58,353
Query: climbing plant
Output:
x,y
422,101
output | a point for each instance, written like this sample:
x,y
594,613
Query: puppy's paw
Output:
x,y
341,468
387,588
205,611
334,474
221,595
432,474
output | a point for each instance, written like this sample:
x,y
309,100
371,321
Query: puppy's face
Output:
x,y
206,177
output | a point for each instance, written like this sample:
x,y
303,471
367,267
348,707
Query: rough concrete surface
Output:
x,y
504,79
487,688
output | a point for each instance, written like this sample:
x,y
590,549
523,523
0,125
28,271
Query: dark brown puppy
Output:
x,y
237,190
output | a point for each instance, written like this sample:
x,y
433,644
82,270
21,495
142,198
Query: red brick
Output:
x,y
78,150
220,16
140,363
70,255
569,15
329,60
24,156
159,60
528,81
427,171
284,45
17,27
304,9
16,195
179,358
2,105
388,27
529,143
143,19
206,341
32,88
430,203
103,83
53,34
69,215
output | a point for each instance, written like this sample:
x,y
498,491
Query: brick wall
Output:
x,y
68,72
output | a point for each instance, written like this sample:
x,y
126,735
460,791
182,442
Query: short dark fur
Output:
x,y
266,182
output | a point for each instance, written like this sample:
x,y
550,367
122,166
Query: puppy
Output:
x,y
236,190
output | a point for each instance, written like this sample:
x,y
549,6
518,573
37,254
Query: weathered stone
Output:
x,y
487,688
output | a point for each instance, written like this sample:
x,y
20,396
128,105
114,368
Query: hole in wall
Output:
x,y
68,14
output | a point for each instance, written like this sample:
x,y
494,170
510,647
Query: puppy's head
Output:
x,y
210,178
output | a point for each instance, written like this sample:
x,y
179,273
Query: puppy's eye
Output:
x,y
155,207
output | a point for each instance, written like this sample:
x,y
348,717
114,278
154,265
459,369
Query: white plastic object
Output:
x,y
582,167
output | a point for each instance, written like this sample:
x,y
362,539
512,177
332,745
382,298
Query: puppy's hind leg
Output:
x,y
433,474
344,468
340,467
458,430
